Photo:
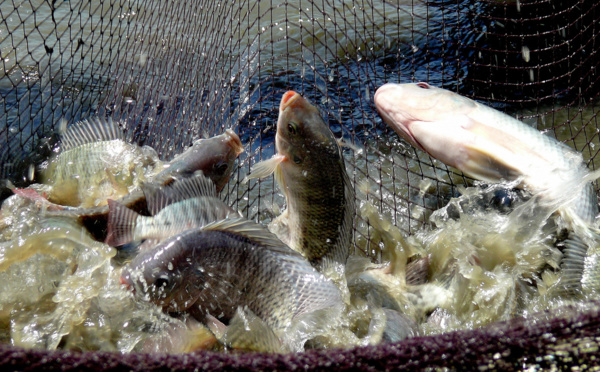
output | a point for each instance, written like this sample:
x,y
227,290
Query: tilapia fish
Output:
x,y
95,163
214,156
491,146
310,170
182,205
212,271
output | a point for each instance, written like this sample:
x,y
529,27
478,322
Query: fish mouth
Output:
x,y
288,98
235,141
124,282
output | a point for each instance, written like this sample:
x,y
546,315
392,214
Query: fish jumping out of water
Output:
x,y
492,146
310,170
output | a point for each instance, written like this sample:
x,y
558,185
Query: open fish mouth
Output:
x,y
288,98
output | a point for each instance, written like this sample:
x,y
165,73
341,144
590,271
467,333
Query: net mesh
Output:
x,y
175,71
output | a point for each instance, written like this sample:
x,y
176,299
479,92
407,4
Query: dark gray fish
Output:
x,y
310,170
216,269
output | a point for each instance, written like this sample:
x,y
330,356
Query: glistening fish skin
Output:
x,y
182,205
310,170
95,163
490,146
230,264
214,156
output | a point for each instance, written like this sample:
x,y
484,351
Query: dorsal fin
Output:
x,y
95,129
158,196
253,231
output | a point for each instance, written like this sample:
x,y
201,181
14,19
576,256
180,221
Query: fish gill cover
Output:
x,y
172,72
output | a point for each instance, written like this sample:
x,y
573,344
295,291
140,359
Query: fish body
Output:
x,y
214,270
310,170
95,163
491,146
182,205
214,156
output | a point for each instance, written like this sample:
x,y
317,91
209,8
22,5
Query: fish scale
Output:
x,y
94,165
273,281
309,168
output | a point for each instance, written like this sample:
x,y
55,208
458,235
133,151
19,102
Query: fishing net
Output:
x,y
175,71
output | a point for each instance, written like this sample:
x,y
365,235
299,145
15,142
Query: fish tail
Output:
x,y
574,254
121,224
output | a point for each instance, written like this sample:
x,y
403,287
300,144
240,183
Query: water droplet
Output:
x,y
170,266
526,54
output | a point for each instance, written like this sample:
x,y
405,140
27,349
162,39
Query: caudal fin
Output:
x,y
121,224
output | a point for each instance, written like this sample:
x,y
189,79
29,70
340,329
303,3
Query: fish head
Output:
x,y
164,276
214,156
403,106
302,130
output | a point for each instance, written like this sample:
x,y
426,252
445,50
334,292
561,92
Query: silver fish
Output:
x,y
309,168
492,146
182,205
214,156
214,270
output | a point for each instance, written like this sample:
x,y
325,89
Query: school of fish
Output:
x,y
154,237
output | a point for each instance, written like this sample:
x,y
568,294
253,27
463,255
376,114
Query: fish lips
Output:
x,y
393,116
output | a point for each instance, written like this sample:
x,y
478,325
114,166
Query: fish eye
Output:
x,y
220,168
161,282
423,85
292,127
297,159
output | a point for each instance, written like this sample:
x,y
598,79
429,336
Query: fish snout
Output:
x,y
234,141
288,98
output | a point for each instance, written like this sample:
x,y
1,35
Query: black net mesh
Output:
x,y
175,71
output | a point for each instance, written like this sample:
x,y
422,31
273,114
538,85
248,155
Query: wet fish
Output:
x,y
214,156
491,146
94,163
310,170
229,264
182,205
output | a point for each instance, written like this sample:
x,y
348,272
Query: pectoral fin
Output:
x,y
495,155
264,168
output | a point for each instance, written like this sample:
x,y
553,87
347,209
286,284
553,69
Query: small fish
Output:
x,y
182,205
492,146
310,170
94,163
213,270
214,156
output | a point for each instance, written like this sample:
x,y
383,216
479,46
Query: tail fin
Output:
x,y
121,224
